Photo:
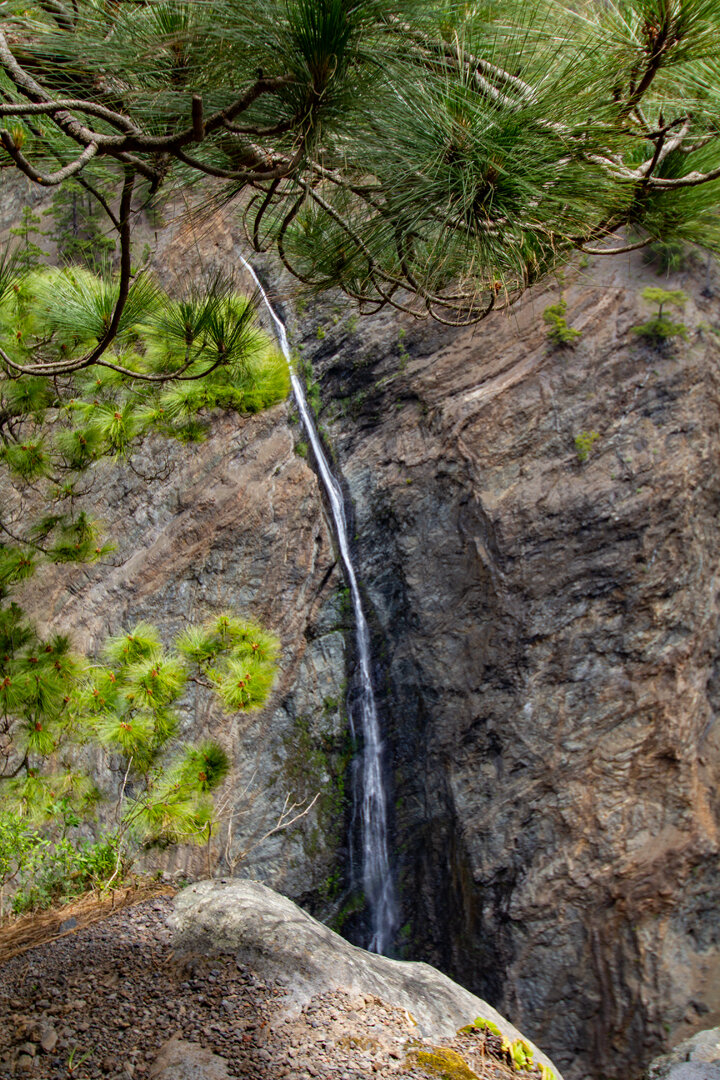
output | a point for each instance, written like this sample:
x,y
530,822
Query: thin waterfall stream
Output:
x,y
378,884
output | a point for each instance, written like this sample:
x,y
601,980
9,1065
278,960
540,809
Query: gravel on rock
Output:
x,y
102,1003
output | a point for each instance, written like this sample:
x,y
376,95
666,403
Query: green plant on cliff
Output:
x,y
559,333
481,1024
584,442
171,364
316,760
660,329
437,157
53,702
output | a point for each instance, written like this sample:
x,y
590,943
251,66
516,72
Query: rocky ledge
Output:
x,y
248,985
697,1058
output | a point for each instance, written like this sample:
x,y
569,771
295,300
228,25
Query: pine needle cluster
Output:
x,y
438,157
53,702
173,362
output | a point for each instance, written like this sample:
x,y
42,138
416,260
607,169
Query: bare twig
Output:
x,y
291,813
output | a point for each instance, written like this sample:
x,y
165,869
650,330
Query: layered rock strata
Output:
x,y
537,529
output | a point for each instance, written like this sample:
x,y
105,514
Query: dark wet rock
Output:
x,y
547,641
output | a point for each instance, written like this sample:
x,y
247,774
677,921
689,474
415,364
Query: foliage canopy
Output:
x,y
52,702
434,156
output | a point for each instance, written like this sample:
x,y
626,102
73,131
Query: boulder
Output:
x,y
181,1060
697,1058
285,945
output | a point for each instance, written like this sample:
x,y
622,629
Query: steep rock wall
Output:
x,y
233,523
545,630
551,652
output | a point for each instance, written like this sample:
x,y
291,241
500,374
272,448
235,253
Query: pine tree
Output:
x,y
81,231
438,157
173,362
660,329
52,702
28,254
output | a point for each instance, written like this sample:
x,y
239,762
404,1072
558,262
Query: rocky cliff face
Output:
x,y
233,523
548,633
545,630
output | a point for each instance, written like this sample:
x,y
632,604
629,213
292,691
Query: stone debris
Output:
x,y
286,945
114,1002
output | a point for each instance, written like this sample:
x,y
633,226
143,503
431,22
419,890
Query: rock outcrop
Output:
x,y
182,1060
697,1058
123,1002
547,627
288,948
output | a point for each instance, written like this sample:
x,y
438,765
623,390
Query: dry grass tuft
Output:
x,y
27,931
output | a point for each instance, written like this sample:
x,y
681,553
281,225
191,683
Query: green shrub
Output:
x,y
584,443
659,329
61,870
559,333
17,841
667,256
126,707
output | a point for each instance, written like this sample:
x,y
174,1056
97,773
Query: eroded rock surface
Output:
x,y
285,945
697,1058
550,627
233,523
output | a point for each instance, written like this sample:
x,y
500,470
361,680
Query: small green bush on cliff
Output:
x,y
659,329
584,442
559,333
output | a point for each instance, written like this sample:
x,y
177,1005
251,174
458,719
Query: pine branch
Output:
x,y
45,108
45,179
66,367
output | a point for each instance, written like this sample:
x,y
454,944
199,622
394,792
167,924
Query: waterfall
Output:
x,y
377,879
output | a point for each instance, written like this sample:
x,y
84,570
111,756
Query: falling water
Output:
x,y
377,879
